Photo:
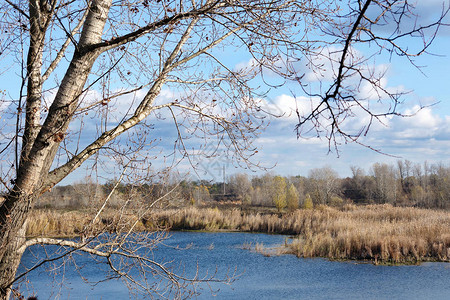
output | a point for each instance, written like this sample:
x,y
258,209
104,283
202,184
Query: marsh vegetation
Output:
x,y
378,233
391,214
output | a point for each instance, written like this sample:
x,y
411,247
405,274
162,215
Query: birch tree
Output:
x,y
74,61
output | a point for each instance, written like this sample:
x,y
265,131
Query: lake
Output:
x,y
261,277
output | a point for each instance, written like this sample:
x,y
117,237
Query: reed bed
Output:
x,y
379,233
60,223
382,234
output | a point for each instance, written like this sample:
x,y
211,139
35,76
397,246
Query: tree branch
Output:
x,y
132,36
63,49
16,7
142,111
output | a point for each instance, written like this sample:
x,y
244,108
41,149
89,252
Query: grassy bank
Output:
x,y
382,234
379,233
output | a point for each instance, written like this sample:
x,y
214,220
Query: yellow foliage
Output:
x,y
308,203
292,198
279,193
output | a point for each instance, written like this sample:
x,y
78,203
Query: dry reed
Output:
x,y
380,233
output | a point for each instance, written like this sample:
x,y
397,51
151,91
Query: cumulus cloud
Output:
x,y
423,135
423,124
285,107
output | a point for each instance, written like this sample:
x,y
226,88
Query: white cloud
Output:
x,y
423,118
246,65
267,141
269,68
423,136
422,124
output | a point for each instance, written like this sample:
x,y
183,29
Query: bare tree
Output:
x,y
324,183
360,187
386,183
241,186
354,84
107,63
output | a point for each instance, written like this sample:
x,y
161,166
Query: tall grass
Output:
x,y
62,223
380,233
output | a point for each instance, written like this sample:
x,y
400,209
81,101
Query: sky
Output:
x,y
423,136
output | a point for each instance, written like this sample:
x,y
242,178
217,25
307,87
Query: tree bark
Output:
x,y
40,143
13,237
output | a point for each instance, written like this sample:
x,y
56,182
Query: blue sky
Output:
x,y
422,137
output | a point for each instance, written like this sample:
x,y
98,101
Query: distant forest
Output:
x,y
401,184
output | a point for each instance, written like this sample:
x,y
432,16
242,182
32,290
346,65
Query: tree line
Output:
x,y
401,184
90,82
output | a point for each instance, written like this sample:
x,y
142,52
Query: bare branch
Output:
x,y
16,7
64,47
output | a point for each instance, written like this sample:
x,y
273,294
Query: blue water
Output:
x,y
259,276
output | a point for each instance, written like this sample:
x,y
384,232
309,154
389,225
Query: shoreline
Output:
x,y
378,234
